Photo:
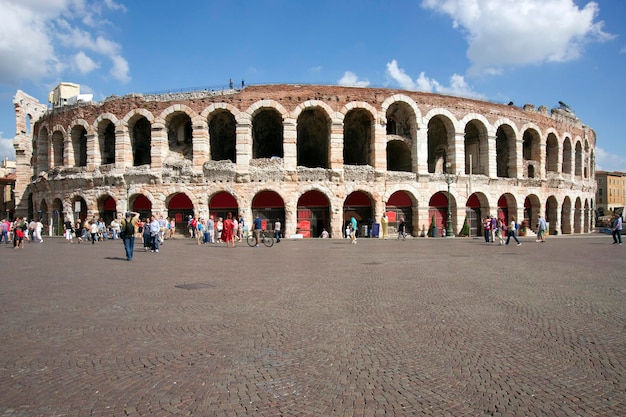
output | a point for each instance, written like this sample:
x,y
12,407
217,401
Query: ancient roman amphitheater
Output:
x,y
313,156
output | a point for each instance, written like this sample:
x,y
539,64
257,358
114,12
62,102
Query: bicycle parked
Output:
x,y
265,238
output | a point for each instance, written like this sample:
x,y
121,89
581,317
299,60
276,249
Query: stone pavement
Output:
x,y
442,327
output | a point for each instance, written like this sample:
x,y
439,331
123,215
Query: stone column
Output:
x,y
456,154
419,152
492,156
290,146
94,157
200,141
243,146
379,144
123,147
336,146
158,146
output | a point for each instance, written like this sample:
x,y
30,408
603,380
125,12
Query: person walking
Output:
x,y
5,227
353,227
541,229
511,232
277,226
38,230
402,229
257,227
227,231
154,227
617,230
68,230
210,228
128,226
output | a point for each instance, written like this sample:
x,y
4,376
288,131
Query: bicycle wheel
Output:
x,y
268,241
251,240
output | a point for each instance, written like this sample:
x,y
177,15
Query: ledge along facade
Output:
x,y
313,156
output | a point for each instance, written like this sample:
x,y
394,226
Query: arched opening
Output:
x,y
180,208
357,137
43,151
552,153
531,211
223,203
586,217
223,136
141,140
438,214
507,207
440,135
270,207
267,134
57,148
399,207
42,214
578,159
399,156
179,136
401,121
358,205
80,209
107,208
106,138
505,152
567,156
313,214
474,214
551,214
566,216
142,205
476,156
578,216
79,144
57,217
531,152
313,138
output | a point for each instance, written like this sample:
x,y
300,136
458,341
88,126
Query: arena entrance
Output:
x,y
359,206
270,207
313,214
473,215
142,205
107,208
438,211
398,207
221,204
80,209
180,208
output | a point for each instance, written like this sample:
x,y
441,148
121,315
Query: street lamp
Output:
x,y
449,178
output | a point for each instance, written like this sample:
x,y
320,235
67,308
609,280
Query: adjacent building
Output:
x,y
611,192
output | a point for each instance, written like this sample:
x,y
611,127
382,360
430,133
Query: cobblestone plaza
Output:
x,y
442,327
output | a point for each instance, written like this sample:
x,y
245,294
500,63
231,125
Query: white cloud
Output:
x,y
505,33
83,63
609,161
6,148
352,80
458,86
39,38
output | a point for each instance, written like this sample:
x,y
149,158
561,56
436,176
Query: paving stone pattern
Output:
x,y
441,327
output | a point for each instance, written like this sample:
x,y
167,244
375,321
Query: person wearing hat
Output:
x,y
128,225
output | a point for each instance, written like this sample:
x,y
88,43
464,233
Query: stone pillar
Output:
x,y
456,154
422,217
290,222
94,157
336,218
290,146
542,162
491,155
123,147
419,152
69,159
200,141
336,146
379,144
158,146
517,163
243,147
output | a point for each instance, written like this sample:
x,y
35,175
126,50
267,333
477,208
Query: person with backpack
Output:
x,y
128,226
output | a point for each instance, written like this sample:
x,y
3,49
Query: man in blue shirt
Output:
x,y
258,225
617,230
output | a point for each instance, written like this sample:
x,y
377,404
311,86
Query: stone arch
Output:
x,y
358,204
177,120
477,208
269,205
438,211
105,125
222,124
551,215
476,145
578,215
552,152
313,134
58,146
578,159
43,149
507,207
532,210
107,207
567,167
314,208
179,205
404,113
506,149
566,216
358,134
531,151
139,124
78,134
400,205
267,129
441,137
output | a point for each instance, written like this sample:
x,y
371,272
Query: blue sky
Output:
x,y
526,51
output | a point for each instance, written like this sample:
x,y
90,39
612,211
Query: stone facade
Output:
x,y
313,156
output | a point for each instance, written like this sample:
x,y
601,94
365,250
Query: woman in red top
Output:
x,y
227,231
